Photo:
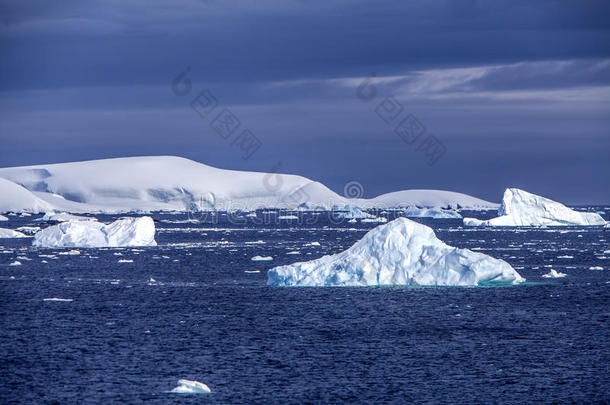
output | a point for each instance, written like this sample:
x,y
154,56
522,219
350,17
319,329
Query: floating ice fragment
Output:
x,y
191,387
54,299
15,263
596,268
252,271
72,252
125,260
261,258
554,274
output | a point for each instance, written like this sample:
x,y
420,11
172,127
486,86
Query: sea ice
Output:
x,y
520,208
351,212
3,218
554,274
191,387
122,232
402,252
430,213
63,217
261,258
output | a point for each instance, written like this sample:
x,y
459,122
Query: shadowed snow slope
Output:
x,y
9,233
15,198
172,183
122,232
402,252
520,208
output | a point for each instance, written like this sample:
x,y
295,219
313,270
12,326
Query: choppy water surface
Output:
x,y
195,307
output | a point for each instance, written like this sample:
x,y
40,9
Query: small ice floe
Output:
x,y
3,218
23,258
256,242
28,230
252,271
565,257
191,387
72,252
378,220
313,244
596,268
55,299
261,258
126,261
118,254
554,274
288,217
294,252
15,263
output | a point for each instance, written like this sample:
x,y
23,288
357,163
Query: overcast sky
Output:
x,y
517,93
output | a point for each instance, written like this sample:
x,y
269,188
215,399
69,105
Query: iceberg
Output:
x,y
431,213
191,387
9,233
401,252
520,208
170,183
3,218
122,232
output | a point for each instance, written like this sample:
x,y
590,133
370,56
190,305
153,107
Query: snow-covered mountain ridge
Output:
x,y
151,183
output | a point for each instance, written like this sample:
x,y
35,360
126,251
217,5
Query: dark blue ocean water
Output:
x,y
127,339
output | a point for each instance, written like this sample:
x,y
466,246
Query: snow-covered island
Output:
x,y
401,252
520,208
76,233
170,183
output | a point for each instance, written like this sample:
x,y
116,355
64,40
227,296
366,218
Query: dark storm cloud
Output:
x,y
63,44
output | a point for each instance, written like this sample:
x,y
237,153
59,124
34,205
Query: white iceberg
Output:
x,y
402,252
431,213
554,274
3,218
191,387
520,208
122,232
9,233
